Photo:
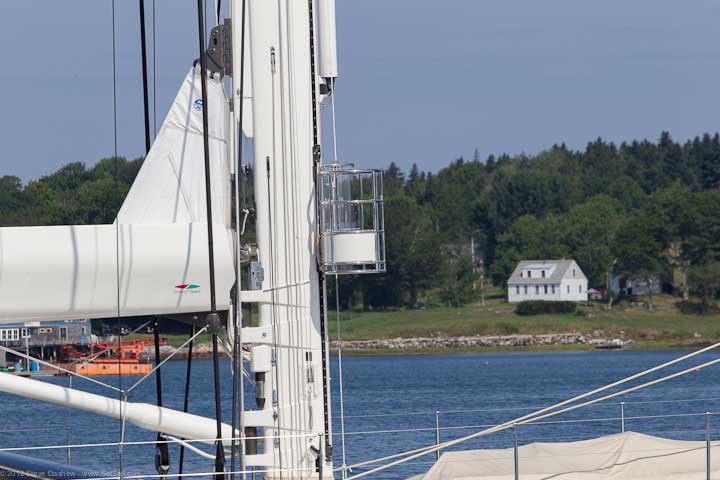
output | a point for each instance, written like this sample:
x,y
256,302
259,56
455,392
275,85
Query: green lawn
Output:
x,y
664,325
662,328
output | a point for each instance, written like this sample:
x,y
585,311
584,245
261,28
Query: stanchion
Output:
x,y
622,417
707,446
437,434
517,456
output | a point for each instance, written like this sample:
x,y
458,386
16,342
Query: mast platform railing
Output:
x,y
352,220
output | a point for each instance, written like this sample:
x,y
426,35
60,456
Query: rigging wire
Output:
x,y
238,390
317,165
287,192
340,376
337,303
154,74
143,57
162,462
57,367
186,401
117,241
213,317
273,288
536,415
167,359
508,425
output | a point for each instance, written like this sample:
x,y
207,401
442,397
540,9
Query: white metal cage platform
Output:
x,y
352,220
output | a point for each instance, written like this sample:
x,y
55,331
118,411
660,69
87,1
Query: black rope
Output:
x,y
162,461
237,404
219,450
154,74
186,403
219,6
206,152
158,377
146,99
212,317
321,274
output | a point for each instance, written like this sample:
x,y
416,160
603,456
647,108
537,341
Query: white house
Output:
x,y
560,280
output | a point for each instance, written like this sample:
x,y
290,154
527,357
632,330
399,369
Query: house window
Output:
x,y
529,273
517,289
521,274
537,289
24,333
83,330
543,273
9,334
546,290
63,333
525,289
568,288
573,272
553,289
580,288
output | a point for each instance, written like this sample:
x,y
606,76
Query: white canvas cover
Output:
x,y
170,187
623,456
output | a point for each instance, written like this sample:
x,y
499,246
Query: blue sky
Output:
x,y
421,81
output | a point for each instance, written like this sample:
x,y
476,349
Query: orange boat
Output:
x,y
108,358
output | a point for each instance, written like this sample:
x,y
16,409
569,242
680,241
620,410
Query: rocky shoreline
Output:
x,y
440,342
514,340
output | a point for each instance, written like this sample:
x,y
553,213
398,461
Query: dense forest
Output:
x,y
642,209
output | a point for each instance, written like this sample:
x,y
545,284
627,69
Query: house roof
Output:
x,y
561,268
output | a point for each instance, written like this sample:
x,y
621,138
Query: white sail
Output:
x,y
154,259
170,187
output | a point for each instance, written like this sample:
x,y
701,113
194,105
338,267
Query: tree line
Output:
x,y
643,209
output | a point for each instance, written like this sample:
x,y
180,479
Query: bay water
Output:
x,y
397,403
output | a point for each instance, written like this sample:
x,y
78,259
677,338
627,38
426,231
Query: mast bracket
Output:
x,y
218,56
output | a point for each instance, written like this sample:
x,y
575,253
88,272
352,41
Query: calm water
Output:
x,y
391,395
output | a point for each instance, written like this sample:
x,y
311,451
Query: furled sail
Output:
x,y
170,187
154,258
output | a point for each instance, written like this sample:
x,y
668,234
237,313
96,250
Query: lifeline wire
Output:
x,y
167,359
432,448
56,367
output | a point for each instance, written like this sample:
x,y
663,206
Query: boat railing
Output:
x,y
679,419
442,425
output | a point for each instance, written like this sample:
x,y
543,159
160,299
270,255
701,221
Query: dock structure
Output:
x,y
70,345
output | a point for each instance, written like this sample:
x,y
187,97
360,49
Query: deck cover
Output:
x,y
624,456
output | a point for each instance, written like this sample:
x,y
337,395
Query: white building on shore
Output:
x,y
558,280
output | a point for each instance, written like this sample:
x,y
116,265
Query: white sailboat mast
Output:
x,y
287,356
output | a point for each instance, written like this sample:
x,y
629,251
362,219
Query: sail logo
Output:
x,y
187,288
197,104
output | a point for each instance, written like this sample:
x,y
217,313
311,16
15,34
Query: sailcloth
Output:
x,y
624,456
154,258
170,187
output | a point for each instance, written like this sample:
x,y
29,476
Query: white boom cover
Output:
x,y
154,258
623,456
